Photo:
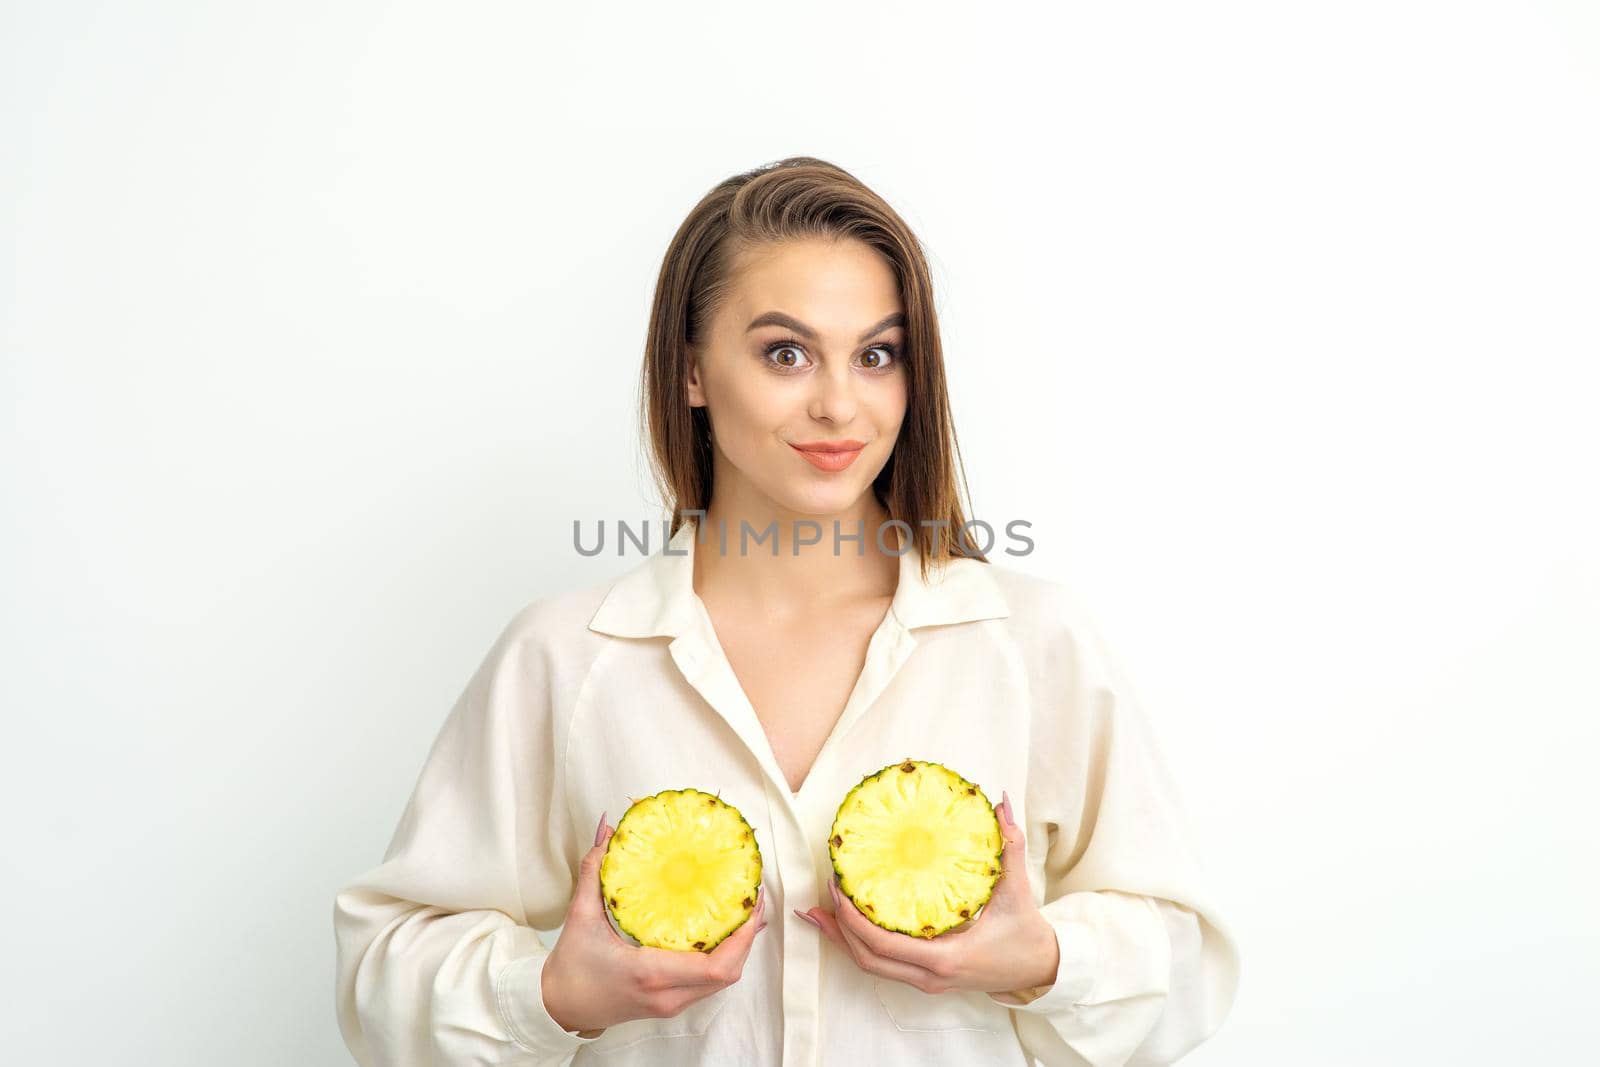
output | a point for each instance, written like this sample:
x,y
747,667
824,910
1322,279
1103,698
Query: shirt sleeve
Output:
x,y
1147,969
438,958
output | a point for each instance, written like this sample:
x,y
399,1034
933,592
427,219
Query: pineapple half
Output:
x,y
916,847
681,870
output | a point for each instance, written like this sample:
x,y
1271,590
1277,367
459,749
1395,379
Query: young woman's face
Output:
x,y
806,351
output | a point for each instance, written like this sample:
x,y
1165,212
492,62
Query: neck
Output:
x,y
798,575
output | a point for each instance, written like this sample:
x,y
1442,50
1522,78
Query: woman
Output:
x,y
793,386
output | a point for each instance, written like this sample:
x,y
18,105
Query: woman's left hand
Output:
x,y
1009,946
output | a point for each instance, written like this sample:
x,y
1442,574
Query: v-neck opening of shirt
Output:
x,y
890,620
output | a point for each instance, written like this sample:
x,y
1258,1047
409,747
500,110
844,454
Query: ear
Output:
x,y
693,387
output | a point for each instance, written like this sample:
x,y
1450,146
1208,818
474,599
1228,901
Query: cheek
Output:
x,y
746,414
889,404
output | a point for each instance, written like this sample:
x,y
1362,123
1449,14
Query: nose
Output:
x,y
833,396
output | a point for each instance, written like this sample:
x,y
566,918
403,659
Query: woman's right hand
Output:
x,y
594,977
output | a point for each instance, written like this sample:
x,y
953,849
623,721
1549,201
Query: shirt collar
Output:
x,y
657,598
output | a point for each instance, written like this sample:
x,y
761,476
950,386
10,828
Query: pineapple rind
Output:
x,y
712,939
851,891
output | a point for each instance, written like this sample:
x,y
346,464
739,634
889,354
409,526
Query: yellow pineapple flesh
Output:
x,y
681,870
916,848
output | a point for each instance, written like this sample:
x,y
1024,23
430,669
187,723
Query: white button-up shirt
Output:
x,y
619,690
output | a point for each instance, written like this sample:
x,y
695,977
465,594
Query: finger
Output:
x,y
827,924
735,948
884,966
681,968
586,901
683,996
1014,858
741,939
921,952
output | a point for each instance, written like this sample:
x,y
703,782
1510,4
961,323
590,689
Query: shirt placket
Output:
x,y
803,862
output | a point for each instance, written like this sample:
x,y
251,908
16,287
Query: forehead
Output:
x,y
833,285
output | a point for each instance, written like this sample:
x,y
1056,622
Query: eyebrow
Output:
x,y
778,318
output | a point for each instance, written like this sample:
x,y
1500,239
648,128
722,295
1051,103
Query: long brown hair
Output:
x,y
797,198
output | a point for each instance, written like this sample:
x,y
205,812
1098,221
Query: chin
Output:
x,y
821,501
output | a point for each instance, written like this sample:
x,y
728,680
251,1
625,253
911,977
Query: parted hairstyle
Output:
x,y
799,198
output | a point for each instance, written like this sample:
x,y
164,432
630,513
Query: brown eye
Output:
x,y
785,355
887,357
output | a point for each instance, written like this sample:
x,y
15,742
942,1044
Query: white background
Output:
x,y
321,323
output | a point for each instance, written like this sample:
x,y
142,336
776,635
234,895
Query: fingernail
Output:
x,y
600,831
1005,806
808,918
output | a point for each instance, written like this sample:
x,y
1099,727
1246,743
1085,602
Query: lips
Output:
x,y
829,455
843,445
